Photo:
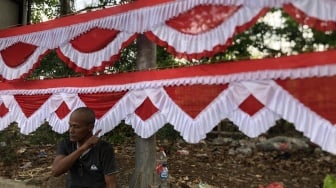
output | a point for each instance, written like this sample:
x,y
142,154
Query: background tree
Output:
x,y
42,10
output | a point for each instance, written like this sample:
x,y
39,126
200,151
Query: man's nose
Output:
x,y
71,130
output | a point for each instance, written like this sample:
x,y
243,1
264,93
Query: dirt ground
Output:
x,y
214,162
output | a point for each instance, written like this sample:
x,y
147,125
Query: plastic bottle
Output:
x,y
161,157
164,176
162,167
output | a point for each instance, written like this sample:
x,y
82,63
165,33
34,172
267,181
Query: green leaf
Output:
x,y
329,181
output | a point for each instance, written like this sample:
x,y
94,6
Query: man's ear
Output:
x,y
91,126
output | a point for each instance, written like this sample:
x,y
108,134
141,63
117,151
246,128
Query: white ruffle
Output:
x,y
124,22
10,73
318,129
7,118
125,106
95,59
306,72
323,10
263,119
30,124
146,129
192,130
71,100
189,44
278,103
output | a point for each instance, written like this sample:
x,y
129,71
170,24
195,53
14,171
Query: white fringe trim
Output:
x,y
13,73
146,129
184,43
307,72
319,130
322,9
61,37
7,118
95,59
278,104
259,122
124,22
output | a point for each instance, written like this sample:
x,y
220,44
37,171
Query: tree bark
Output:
x,y
65,7
145,149
146,53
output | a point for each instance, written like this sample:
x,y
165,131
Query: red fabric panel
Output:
x,y
316,93
146,109
251,105
304,19
113,58
17,54
101,102
30,103
222,45
193,99
3,110
94,40
202,18
63,110
36,64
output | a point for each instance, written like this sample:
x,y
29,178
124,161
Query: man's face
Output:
x,y
79,129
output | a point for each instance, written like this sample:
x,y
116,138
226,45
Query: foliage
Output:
x,y
52,66
291,37
165,59
104,3
44,135
126,61
329,181
282,127
11,139
167,132
42,10
120,134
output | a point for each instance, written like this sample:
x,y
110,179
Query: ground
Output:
x,y
215,161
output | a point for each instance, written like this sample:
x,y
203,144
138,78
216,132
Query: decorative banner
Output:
x,y
88,42
254,94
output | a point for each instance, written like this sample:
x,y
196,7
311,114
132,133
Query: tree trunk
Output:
x,y
145,149
65,7
146,53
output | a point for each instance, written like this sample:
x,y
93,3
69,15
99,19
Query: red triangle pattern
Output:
x,y
63,110
193,99
101,102
146,109
3,110
251,105
316,93
30,103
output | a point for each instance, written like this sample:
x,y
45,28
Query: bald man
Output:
x,y
88,161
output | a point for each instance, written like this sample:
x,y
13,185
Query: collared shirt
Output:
x,y
89,170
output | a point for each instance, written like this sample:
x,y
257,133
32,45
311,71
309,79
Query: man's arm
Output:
x,y
62,163
111,181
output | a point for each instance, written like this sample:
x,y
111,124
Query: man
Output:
x,y
89,161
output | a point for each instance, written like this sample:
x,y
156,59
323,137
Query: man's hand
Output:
x,y
92,141
63,163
